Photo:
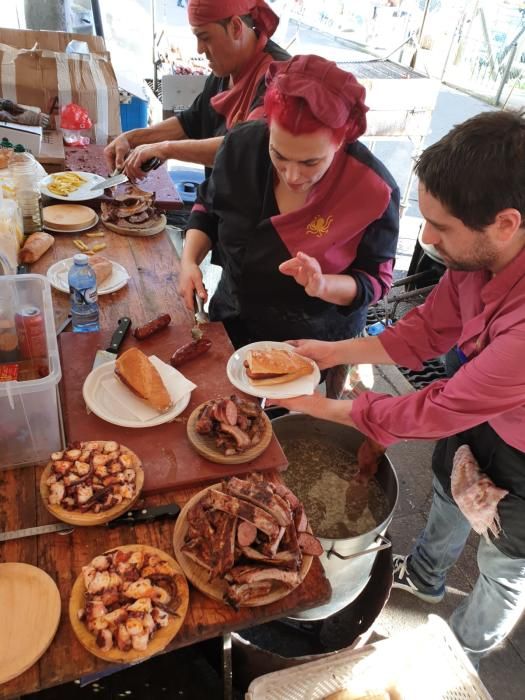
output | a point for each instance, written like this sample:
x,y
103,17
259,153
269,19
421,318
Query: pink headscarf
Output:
x,y
333,95
203,11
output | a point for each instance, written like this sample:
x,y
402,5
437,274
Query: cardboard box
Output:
x,y
37,69
29,136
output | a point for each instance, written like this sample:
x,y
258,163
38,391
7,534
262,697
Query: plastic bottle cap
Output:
x,y
6,143
80,259
19,148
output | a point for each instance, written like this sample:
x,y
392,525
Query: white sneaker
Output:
x,y
403,581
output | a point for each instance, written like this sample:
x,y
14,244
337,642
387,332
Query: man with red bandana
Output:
x,y
235,37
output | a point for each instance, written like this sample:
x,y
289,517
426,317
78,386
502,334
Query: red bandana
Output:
x,y
204,11
333,95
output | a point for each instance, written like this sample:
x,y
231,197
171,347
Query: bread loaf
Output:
x,y
136,371
35,246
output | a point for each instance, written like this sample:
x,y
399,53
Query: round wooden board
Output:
x,y
30,605
205,444
140,233
77,518
69,217
198,575
162,636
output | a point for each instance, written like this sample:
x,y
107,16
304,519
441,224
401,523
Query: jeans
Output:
x,y
489,613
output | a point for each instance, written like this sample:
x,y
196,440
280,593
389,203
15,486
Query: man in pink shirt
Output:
x,y
472,196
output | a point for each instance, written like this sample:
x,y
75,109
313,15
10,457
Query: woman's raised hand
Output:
x,y
307,272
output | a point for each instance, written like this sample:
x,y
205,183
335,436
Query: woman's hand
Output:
x,y
141,154
116,152
191,282
307,272
321,351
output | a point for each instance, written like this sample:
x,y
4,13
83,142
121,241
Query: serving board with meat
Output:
x,y
229,431
245,542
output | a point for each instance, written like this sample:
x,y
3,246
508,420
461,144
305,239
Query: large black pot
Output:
x,y
347,561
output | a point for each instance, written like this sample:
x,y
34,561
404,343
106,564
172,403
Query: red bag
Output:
x,y
74,117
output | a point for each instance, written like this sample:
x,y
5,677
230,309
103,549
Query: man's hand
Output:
x,y
190,282
307,272
321,351
318,406
116,152
139,155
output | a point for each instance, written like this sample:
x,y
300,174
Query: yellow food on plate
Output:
x,y
64,184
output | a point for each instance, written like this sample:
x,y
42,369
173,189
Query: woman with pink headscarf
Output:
x,y
302,217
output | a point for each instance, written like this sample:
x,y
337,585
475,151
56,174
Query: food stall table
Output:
x,y
154,270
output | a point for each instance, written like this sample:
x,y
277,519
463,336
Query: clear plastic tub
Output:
x,y
30,421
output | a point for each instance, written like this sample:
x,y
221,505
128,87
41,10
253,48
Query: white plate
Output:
x,y
57,276
237,375
81,194
71,230
100,402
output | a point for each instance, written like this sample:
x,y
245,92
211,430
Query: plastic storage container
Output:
x,y
187,180
30,421
134,115
24,172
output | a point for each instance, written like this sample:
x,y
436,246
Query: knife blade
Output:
x,y
119,178
200,317
110,353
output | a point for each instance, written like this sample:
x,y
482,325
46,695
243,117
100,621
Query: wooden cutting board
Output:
x,y
168,459
30,605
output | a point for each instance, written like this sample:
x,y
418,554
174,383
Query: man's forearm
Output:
x,y
167,130
202,151
362,351
339,289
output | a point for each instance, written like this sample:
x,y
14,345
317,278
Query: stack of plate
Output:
x,y
69,218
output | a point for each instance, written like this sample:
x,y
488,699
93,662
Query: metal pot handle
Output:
x,y
385,544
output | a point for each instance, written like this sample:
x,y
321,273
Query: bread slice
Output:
x,y
136,371
102,267
275,366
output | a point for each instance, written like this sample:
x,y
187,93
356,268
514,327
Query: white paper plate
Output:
x,y
237,375
71,230
101,403
57,276
81,194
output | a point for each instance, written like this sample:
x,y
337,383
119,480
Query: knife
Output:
x,y
200,317
118,178
146,515
110,353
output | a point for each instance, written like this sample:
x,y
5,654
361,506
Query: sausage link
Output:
x,y
189,351
152,326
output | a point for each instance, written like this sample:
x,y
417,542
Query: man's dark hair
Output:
x,y
478,168
247,19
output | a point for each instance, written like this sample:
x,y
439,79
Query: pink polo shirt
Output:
x,y
485,316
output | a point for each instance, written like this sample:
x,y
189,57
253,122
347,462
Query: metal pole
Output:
x,y
420,34
506,72
97,18
153,48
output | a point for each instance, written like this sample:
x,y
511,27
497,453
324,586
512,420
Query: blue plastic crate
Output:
x,y
134,115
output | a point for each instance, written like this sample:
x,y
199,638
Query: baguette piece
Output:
x,y
35,246
275,366
135,370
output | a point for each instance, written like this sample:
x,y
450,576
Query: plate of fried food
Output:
x,y
245,542
229,430
70,186
92,482
272,370
128,603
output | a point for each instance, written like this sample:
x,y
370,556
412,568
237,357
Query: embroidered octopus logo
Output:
x,y
319,226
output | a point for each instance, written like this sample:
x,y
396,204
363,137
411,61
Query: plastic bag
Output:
x,y
74,120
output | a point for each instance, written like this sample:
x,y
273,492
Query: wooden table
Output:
x,y
154,268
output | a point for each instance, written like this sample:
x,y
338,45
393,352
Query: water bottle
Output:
x,y
83,292
24,173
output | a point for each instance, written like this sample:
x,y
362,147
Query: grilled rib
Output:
x,y
246,511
